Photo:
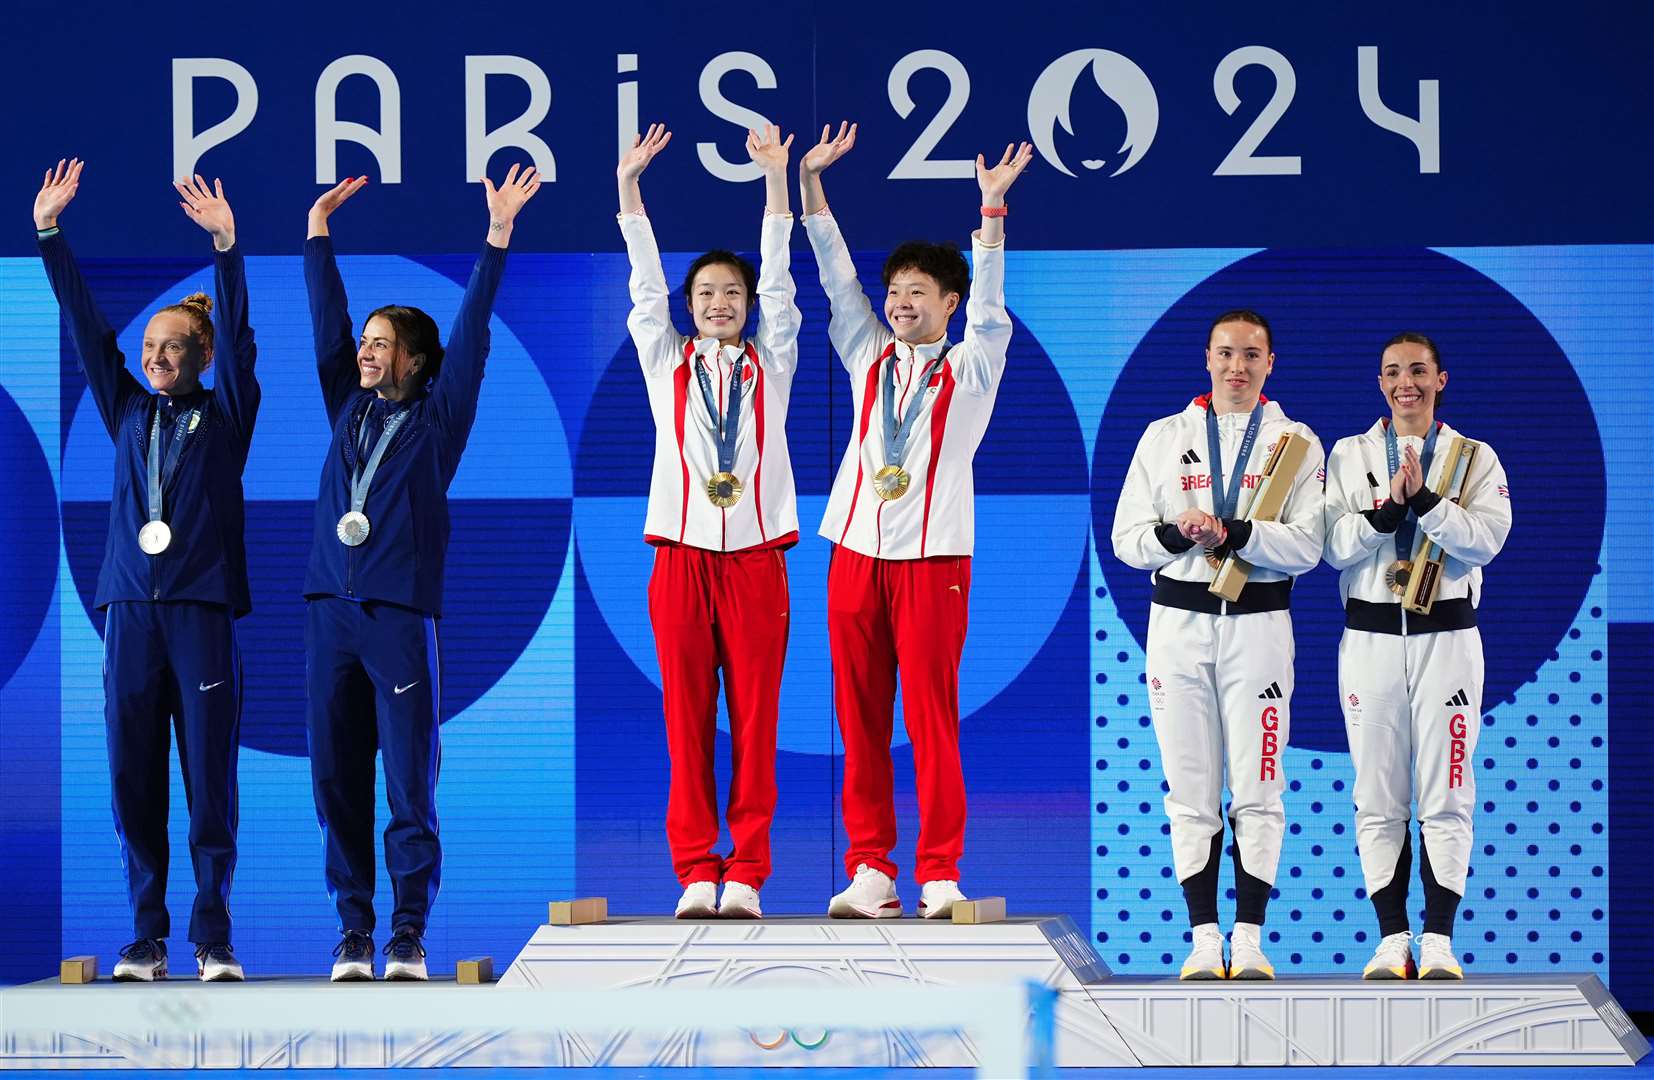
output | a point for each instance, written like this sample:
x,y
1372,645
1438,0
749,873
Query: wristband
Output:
x,y
43,234
995,211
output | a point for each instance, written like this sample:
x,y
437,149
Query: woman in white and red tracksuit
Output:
x,y
1411,684
902,517
721,513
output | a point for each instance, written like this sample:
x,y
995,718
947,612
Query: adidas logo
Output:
x,y
1458,701
1272,692
1190,457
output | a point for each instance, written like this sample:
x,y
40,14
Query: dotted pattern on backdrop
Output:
x,y
1537,897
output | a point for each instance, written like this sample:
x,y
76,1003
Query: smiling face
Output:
x,y
916,307
383,361
718,302
1411,380
1239,360
173,356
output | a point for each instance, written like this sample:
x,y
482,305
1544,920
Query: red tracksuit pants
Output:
x,y
884,615
710,611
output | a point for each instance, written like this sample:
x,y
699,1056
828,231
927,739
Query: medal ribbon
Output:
x,y
364,476
1224,503
1392,453
161,478
728,426
895,437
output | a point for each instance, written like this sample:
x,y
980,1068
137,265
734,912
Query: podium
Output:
x,y
813,992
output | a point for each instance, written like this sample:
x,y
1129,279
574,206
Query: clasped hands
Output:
x,y
1202,528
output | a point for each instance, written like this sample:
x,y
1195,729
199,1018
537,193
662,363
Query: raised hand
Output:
x,y
208,209
996,181
330,200
506,200
829,149
767,150
56,192
644,148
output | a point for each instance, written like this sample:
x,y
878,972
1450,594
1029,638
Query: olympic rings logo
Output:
x,y
807,1039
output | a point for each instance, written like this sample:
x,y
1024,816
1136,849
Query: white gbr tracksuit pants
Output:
x,y
1220,690
1412,710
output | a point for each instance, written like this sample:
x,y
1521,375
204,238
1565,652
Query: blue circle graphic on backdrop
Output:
x,y
1031,523
509,503
1509,383
31,551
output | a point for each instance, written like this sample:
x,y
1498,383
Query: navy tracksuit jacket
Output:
x,y
373,670
169,640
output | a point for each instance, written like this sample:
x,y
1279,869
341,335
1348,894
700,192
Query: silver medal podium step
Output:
x,y
651,979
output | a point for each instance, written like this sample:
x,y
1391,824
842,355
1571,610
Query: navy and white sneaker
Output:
x,y
355,957
215,962
145,960
407,956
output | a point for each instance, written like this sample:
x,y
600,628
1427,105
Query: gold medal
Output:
x,y
1396,575
724,489
891,482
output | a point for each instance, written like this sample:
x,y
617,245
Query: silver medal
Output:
x,y
353,528
155,537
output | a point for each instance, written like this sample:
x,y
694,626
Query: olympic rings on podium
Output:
x,y
805,1041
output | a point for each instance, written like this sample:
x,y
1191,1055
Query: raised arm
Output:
x,y
659,345
329,310
459,383
778,315
853,328
101,359
981,361
234,352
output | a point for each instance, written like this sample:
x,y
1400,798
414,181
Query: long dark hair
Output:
x,y
417,333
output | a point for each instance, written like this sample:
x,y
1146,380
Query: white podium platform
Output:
x,y
796,992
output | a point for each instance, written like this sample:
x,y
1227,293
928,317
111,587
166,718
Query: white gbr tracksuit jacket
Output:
x,y
1170,474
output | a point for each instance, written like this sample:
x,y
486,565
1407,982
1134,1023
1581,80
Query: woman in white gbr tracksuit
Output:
x,y
1411,685
1220,674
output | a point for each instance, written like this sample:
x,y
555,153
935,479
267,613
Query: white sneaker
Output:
x,y
937,898
872,895
217,963
1393,959
739,902
145,960
1246,958
699,901
406,957
1436,959
355,957
1205,960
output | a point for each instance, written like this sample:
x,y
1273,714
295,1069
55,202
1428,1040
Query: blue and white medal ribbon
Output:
x,y
156,535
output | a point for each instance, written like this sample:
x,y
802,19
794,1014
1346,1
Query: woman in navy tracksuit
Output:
x,y
401,408
174,577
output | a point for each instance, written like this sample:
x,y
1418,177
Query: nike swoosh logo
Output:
x,y
954,588
204,687
410,686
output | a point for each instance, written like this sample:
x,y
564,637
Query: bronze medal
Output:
x,y
1396,575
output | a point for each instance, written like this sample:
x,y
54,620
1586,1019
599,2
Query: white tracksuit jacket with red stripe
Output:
x,y
686,438
937,515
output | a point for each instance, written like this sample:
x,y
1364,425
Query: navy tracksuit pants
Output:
x,y
174,665
374,682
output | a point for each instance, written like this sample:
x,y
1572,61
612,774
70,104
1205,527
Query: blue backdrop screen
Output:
x,y
1128,236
